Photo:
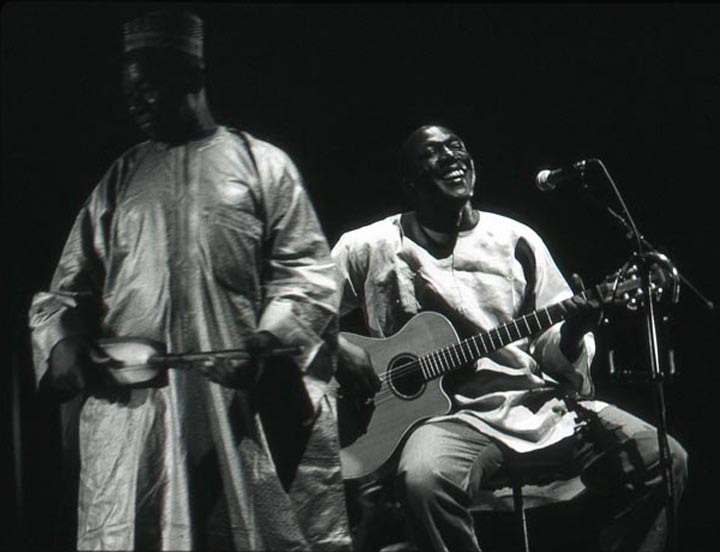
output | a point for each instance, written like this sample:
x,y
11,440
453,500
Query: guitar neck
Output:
x,y
441,361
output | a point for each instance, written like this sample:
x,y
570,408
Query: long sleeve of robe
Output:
x,y
198,246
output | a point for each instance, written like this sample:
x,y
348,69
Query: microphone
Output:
x,y
549,179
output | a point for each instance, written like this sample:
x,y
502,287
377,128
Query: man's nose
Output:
x,y
446,154
140,99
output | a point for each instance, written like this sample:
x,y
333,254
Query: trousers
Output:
x,y
616,454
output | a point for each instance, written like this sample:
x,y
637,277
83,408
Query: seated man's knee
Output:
x,y
420,481
633,465
647,444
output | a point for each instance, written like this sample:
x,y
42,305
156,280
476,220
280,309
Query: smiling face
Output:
x,y
438,167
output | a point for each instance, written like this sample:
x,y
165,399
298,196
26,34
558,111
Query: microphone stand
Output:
x,y
647,256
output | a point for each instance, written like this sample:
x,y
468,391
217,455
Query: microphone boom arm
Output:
x,y
643,245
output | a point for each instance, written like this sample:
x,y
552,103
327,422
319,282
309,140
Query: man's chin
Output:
x,y
148,130
459,194
459,188
452,201
153,130
152,133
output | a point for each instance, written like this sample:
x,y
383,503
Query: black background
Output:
x,y
339,87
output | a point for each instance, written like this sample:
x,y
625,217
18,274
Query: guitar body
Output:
x,y
403,401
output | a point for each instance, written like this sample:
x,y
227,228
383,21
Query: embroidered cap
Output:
x,y
181,30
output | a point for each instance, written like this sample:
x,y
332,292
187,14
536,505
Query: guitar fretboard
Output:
x,y
442,361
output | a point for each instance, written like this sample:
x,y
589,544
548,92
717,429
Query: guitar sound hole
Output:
x,y
405,377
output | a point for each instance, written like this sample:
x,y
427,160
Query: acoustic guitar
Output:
x,y
411,365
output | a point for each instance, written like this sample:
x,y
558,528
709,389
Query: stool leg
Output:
x,y
520,509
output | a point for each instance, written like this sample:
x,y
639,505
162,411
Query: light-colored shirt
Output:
x,y
498,271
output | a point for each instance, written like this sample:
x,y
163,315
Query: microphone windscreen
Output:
x,y
542,180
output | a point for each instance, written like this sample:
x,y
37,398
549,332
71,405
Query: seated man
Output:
x,y
481,270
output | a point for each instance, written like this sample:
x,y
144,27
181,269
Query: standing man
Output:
x,y
202,238
481,270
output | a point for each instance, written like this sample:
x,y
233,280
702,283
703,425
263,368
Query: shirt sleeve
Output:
x,y
550,288
300,282
342,254
72,305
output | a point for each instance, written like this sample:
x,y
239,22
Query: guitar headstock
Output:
x,y
625,287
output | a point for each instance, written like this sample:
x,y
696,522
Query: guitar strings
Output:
x,y
452,352
402,369
457,350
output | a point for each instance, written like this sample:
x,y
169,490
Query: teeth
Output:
x,y
455,174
